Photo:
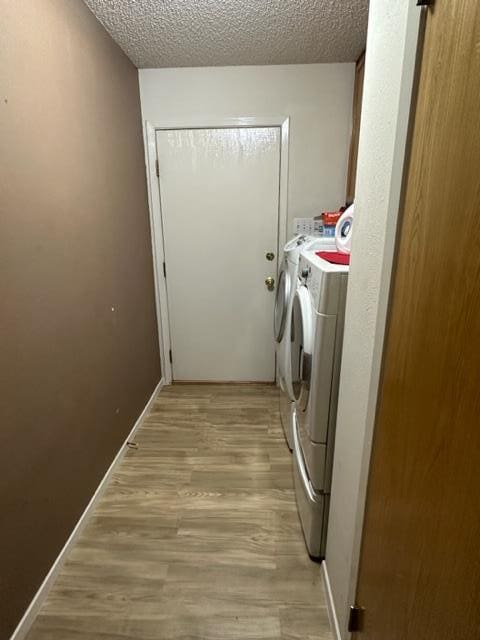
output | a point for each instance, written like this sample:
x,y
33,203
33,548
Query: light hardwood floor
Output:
x,y
197,535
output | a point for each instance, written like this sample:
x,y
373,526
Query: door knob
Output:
x,y
270,255
270,282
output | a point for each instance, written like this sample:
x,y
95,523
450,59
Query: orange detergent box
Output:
x,y
331,217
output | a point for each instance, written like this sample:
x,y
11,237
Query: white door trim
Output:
x,y
156,223
332,614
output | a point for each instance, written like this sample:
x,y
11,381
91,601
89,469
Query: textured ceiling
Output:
x,y
195,33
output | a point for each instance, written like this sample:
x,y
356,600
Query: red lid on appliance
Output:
x,y
334,257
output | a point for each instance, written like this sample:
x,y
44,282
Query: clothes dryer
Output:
x,y
282,317
317,321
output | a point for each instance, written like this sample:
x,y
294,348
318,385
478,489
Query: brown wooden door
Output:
x,y
420,563
356,116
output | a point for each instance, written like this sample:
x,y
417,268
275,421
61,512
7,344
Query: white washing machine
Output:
x,y
318,313
287,280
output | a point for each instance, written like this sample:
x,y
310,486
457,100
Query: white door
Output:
x,y
219,191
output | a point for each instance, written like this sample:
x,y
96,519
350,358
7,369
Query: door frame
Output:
x,y
154,203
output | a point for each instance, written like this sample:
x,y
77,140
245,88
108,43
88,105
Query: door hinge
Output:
x,y
157,168
170,357
355,619
164,270
425,3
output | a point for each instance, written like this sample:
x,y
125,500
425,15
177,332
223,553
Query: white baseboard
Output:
x,y
332,614
26,622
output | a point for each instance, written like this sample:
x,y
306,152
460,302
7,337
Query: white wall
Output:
x,y
389,70
317,97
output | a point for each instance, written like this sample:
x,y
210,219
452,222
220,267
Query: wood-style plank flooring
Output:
x,y
197,535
